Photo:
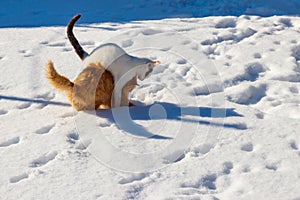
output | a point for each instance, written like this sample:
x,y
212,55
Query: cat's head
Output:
x,y
142,67
147,69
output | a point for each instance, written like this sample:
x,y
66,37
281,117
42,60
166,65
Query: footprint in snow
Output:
x,y
296,52
9,142
183,70
271,166
246,169
45,129
127,43
286,22
201,150
294,90
44,42
105,123
3,112
207,182
247,95
276,42
44,159
195,47
18,178
294,41
133,178
83,144
67,114
87,43
151,32
294,145
186,42
227,64
248,147
260,115
166,49
172,159
181,61
56,44
67,49
257,55
46,96
226,23
24,105
252,72
227,167
26,53
229,57
72,138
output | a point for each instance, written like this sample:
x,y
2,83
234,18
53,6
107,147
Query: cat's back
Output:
x,y
106,54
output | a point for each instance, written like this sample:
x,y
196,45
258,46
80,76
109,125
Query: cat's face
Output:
x,y
147,69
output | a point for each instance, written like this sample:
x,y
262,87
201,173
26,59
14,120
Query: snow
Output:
x,y
218,119
29,13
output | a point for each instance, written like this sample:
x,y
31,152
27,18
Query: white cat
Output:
x,y
114,59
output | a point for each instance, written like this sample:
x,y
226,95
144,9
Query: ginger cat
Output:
x,y
86,92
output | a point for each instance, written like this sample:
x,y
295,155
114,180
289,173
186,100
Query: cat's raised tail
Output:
x,y
79,50
58,81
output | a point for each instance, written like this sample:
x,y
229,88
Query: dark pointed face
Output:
x,y
151,65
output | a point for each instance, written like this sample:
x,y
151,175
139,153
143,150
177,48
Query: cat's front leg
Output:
x,y
116,98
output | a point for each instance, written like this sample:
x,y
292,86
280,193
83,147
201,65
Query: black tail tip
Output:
x,y
76,17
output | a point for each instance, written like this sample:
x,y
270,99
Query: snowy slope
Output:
x,y
219,119
35,13
224,107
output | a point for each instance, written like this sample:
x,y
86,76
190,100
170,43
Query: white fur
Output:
x,y
122,66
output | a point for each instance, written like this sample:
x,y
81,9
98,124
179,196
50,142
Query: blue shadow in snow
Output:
x,y
38,101
35,13
125,117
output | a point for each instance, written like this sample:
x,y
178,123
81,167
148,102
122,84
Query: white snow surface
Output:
x,y
218,119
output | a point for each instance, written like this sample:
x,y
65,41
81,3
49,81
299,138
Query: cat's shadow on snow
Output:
x,y
32,100
124,117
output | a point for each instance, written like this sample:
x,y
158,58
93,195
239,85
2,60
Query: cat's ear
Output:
x,y
152,64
